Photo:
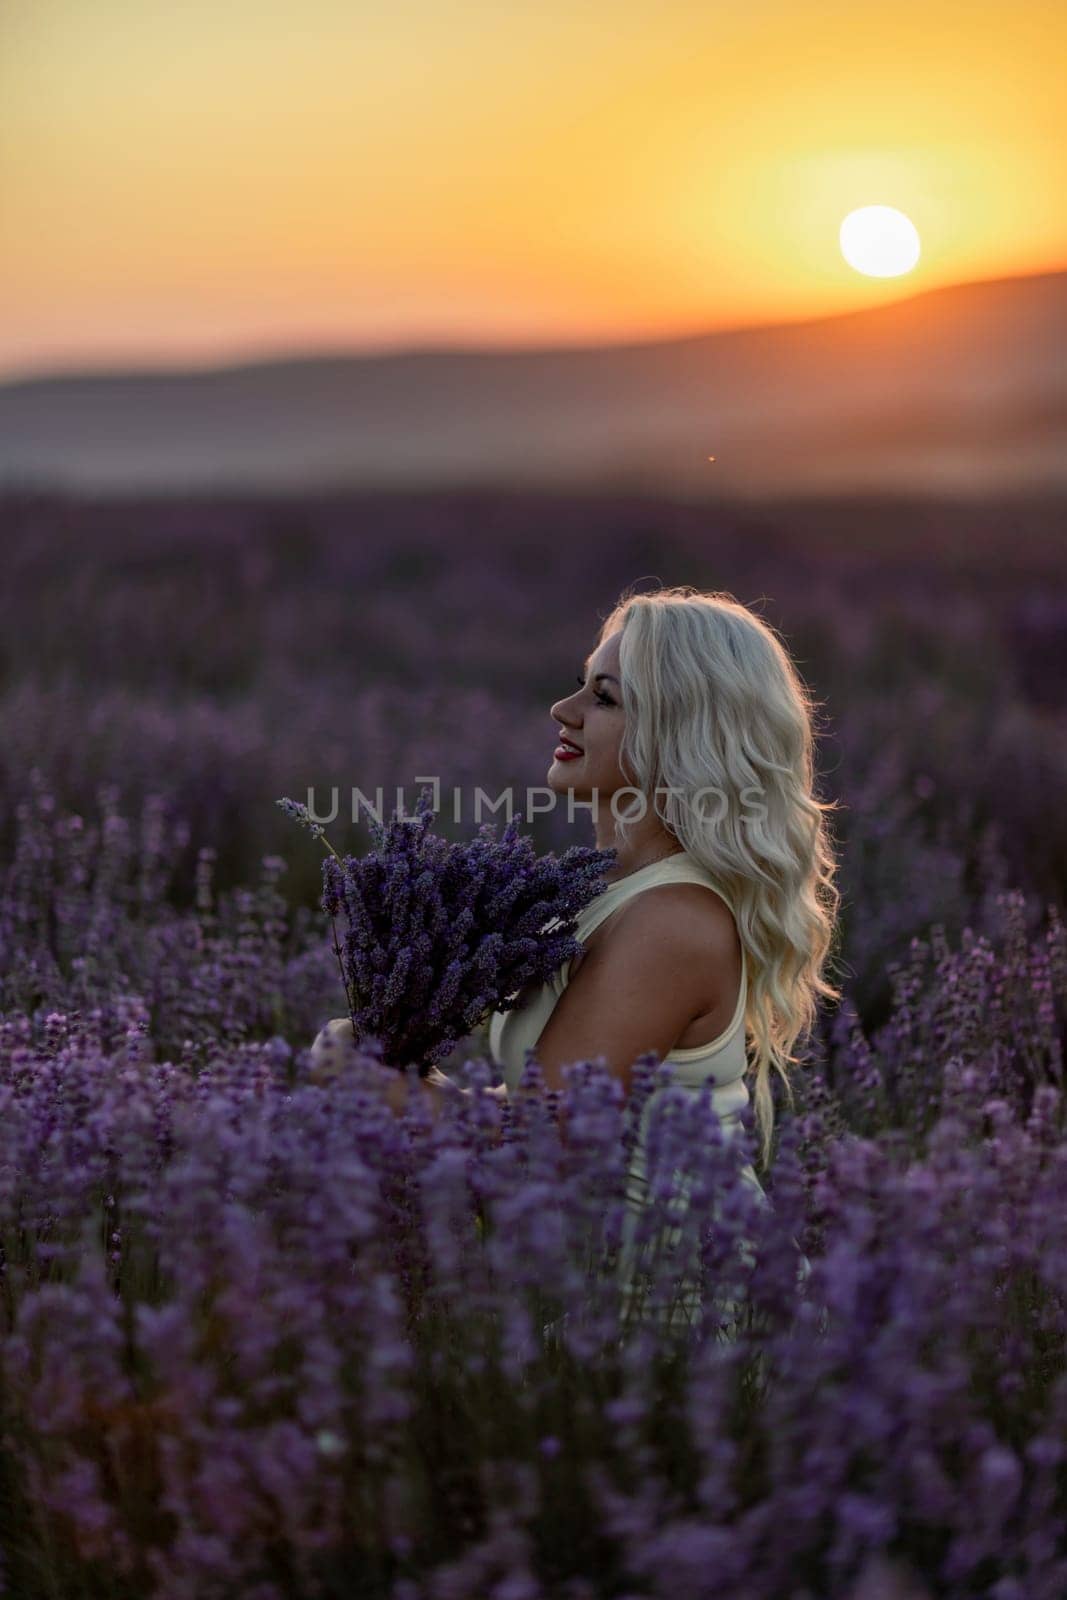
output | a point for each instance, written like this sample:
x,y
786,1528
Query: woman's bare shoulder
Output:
x,y
689,926
689,915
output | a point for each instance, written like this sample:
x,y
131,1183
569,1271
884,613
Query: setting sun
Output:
x,y
687,174
879,241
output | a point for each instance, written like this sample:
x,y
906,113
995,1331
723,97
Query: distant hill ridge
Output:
x,y
959,390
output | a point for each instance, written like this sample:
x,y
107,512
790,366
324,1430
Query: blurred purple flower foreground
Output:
x,y
438,934
265,1339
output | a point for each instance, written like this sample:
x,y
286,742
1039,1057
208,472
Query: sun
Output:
x,y
879,241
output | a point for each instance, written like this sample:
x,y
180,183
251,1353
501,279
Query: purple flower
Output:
x,y
437,934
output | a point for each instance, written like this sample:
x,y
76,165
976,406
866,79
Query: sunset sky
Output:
x,y
195,183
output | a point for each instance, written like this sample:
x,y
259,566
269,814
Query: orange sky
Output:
x,y
196,183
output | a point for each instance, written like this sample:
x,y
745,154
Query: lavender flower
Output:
x,y
439,934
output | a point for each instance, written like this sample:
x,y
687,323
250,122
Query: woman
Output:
x,y
691,716
690,735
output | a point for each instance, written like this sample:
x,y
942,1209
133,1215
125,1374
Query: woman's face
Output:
x,y
592,719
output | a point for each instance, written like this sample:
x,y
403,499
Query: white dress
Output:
x,y
722,1063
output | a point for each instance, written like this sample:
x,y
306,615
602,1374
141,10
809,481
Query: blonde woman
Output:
x,y
691,734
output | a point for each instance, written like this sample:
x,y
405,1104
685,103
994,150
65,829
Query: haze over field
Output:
x,y
959,390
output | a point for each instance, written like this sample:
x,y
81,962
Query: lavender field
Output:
x,y
263,1338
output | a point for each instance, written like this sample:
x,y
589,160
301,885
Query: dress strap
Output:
x,y
677,868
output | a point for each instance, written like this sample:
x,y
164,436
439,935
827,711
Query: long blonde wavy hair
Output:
x,y
712,701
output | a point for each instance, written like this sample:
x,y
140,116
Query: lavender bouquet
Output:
x,y
439,934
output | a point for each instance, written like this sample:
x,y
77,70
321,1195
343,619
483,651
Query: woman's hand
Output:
x,y
450,1086
440,1080
329,1049
334,1042
437,1089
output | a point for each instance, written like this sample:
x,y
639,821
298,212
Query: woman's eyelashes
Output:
x,y
599,695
